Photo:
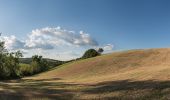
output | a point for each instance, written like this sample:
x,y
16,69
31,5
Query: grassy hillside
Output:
x,y
128,75
134,64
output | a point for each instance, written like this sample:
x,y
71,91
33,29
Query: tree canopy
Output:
x,y
9,63
90,53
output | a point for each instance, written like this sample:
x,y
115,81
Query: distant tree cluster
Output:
x,y
92,53
51,62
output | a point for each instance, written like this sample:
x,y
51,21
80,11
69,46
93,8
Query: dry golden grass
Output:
x,y
129,75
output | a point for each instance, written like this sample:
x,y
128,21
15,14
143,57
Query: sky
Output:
x,y
65,29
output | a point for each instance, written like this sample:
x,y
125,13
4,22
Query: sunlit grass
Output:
x,y
131,75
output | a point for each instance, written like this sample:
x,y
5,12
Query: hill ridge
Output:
x,y
131,64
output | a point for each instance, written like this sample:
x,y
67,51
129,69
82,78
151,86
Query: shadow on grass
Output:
x,y
29,89
49,89
132,90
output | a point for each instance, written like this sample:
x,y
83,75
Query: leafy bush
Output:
x,y
38,64
9,63
90,53
10,66
26,69
100,50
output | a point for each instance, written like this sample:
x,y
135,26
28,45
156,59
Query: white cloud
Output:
x,y
108,47
48,38
12,43
54,43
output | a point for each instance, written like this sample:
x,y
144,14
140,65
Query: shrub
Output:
x,y
9,63
26,69
39,64
90,53
100,50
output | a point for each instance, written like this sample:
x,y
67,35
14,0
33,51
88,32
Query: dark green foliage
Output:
x,y
10,66
9,63
26,69
100,50
90,53
39,64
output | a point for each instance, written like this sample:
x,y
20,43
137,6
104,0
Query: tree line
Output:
x,y
10,66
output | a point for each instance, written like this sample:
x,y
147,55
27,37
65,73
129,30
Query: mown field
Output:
x,y
128,75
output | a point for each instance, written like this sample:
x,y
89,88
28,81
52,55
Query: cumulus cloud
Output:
x,y
108,47
12,43
48,38
55,43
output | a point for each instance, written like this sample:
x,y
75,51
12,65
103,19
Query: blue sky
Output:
x,y
122,24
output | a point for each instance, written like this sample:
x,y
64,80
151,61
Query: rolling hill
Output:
x,y
127,75
133,64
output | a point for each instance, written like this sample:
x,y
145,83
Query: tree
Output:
x,y
39,64
100,50
9,63
12,63
90,53
2,60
